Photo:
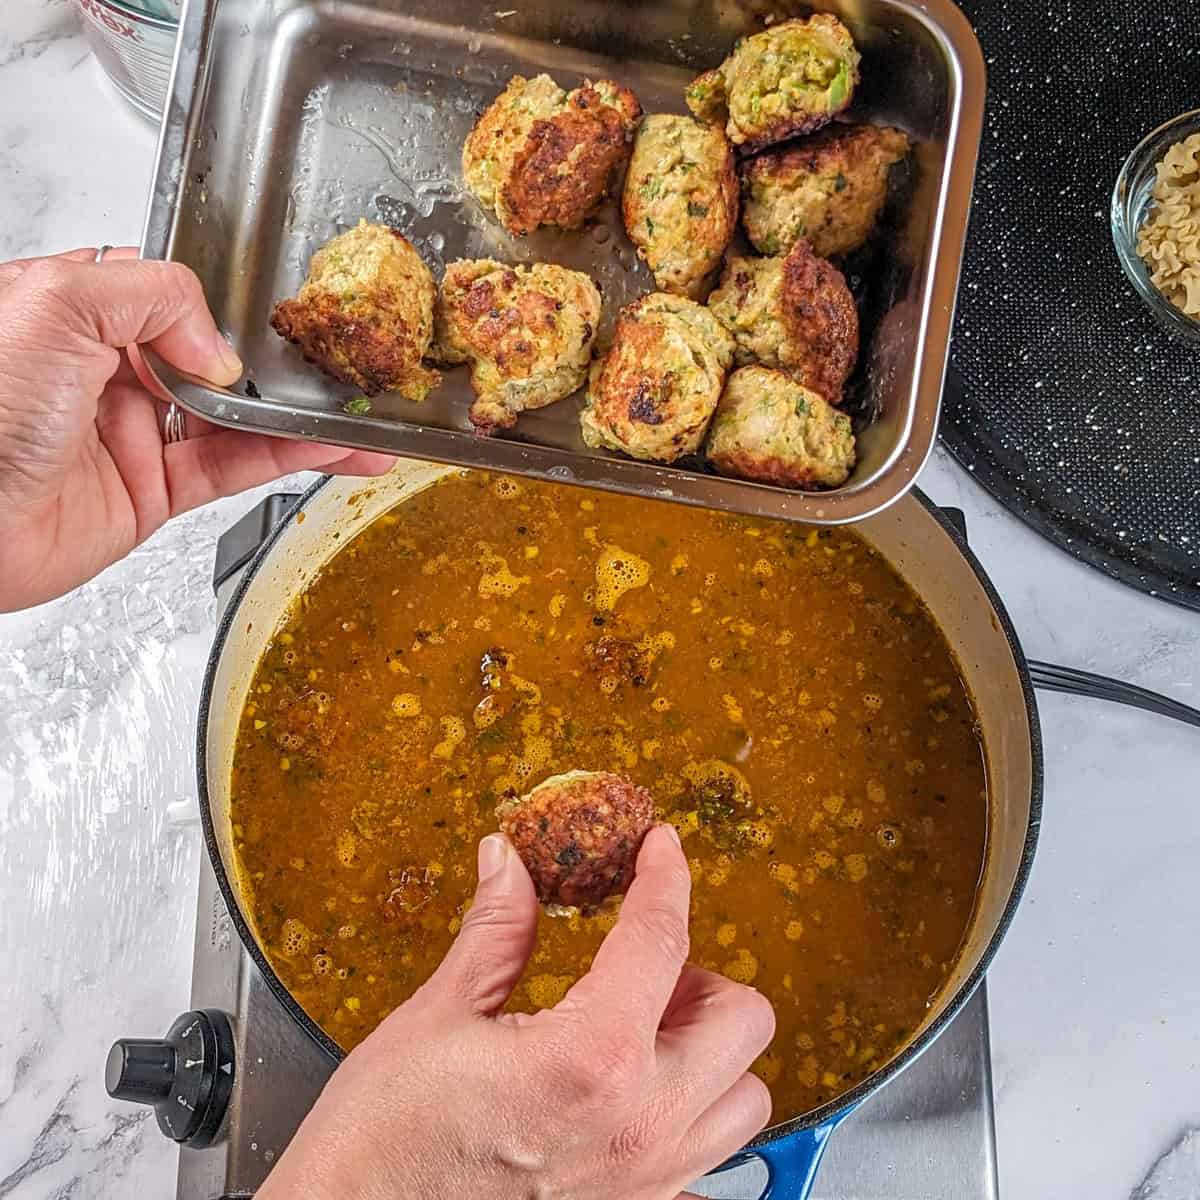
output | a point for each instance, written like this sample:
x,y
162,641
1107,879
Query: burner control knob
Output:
x,y
186,1076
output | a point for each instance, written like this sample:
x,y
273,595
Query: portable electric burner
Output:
x,y
235,1076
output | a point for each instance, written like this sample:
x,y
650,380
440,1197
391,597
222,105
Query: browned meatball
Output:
x,y
829,189
771,429
653,394
527,332
791,78
793,313
616,661
543,156
681,201
578,835
365,313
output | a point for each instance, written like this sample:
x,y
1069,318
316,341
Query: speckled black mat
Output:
x,y
1071,405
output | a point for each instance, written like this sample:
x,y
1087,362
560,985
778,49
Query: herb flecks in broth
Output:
x,y
789,704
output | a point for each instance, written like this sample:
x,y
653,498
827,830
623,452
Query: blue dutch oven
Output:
x,y
912,535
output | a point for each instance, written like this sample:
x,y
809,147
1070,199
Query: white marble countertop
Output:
x,y
1095,994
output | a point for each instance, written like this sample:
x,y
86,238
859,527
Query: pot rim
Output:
x,y
827,1113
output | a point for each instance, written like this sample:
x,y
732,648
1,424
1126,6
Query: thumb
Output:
x,y
122,302
497,936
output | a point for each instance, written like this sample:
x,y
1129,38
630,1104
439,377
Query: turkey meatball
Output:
x,y
829,189
527,332
654,393
794,313
790,79
771,429
365,313
578,835
542,156
681,201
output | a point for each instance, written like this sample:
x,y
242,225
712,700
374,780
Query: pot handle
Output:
x,y
239,544
1051,678
791,1161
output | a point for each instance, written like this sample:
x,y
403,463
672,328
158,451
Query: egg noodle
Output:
x,y
1169,239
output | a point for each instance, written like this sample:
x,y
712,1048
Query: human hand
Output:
x,y
84,473
633,1085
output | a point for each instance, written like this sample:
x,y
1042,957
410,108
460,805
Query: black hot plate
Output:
x,y
1066,400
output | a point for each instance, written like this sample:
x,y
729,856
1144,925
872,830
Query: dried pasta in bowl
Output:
x,y
1169,238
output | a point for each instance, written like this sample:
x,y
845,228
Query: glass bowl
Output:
x,y
1130,200
134,42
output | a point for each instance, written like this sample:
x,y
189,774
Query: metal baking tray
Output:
x,y
289,120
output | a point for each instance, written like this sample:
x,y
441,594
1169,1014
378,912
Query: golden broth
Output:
x,y
490,632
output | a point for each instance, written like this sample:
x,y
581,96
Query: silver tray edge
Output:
x,y
855,502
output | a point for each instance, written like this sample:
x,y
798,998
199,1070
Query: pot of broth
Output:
x,y
839,722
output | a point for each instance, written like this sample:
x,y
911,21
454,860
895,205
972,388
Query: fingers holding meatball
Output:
x,y
364,315
653,394
542,156
829,189
790,79
527,332
770,429
795,314
681,201
578,835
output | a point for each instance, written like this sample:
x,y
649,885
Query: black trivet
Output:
x,y
1067,401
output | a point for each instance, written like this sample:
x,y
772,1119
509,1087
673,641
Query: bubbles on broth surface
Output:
x,y
617,572
294,939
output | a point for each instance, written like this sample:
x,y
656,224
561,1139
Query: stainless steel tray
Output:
x,y
289,120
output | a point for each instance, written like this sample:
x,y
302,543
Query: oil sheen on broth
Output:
x,y
490,632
